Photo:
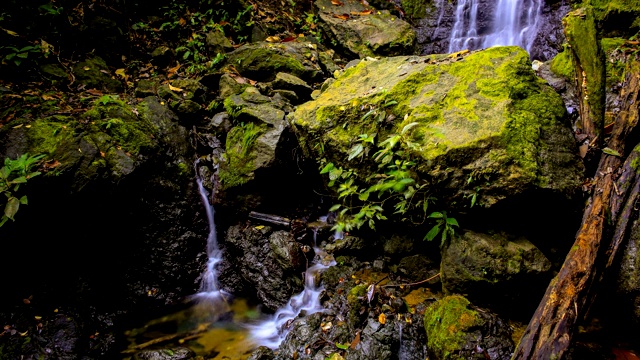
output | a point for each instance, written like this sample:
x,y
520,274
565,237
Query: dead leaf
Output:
x,y
337,2
362,13
341,16
370,291
182,22
121,73
172,71
48,97
355,341
290,38
173,88
382,319
273,39
12,33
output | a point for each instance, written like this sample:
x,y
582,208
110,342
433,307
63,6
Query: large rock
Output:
x,y
494,269
479,125
364,31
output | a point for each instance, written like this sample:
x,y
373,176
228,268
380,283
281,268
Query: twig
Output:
x,y
416,283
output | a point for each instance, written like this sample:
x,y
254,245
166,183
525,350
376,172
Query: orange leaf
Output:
x,y
341,16
337,2
172,71
355,341
382,318
182,22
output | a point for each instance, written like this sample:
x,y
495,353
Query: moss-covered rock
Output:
x,y
363,31
252,143
457,330
262,61
483,124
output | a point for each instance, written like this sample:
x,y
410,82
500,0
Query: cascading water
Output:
x,y
272,331
515,22
210,293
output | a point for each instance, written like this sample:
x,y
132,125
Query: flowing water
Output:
x,y
272,331
210,294
515,22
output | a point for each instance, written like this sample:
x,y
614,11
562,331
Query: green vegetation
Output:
x,y
447,322
394,184
13,174
562,64
238,167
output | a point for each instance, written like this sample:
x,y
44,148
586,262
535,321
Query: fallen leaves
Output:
x,y
337,2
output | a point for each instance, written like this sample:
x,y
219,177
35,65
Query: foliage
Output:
x,y
395,184
13,174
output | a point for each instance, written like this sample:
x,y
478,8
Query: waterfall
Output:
x,y
210,293
272,331
515,22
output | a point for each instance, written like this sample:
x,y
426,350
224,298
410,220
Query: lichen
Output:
x,y
446,323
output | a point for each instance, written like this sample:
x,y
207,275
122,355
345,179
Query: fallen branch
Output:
x,y
273,219
415,283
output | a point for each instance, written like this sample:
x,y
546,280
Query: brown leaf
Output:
x,y
355,341
48,97
273,39
382,319
337,2
362,13
341,16
172,71
182,22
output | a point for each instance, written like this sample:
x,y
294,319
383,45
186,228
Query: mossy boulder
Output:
x,y
617,17
493,268
481,123
458,330
364,31
261,61
252,143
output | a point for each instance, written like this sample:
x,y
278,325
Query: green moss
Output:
x,y
115,118
581,30
562,64
416,9
46,135
239,157
355,299
615,62
446,323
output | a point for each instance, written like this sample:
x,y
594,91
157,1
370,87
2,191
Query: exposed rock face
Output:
x,y
363,31
483,124
494,269
271,262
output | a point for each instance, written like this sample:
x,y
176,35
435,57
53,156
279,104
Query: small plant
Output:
x,y
446,226
13,174
17,56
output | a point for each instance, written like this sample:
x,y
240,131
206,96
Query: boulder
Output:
x,y
478,128
364,31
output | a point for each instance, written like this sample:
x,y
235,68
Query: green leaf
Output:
x,y
432,233
11,208
364,196
3,220
610,151
365,116
452,221
327,168
335,207
342,346
19,180
408,127
355,151
390,103
436,215
23,200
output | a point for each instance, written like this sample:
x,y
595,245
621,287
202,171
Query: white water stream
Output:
x,y
515,22
272,331
210,293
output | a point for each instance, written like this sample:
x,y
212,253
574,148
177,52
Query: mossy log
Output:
x,y
615,189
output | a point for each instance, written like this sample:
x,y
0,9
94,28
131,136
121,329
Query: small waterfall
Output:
x,y
515,22
272,331
210,293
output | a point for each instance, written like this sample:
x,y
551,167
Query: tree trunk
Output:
x,y
614,191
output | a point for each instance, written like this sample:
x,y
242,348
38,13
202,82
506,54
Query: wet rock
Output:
x,y
261,353
180,353
271,262
217,42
